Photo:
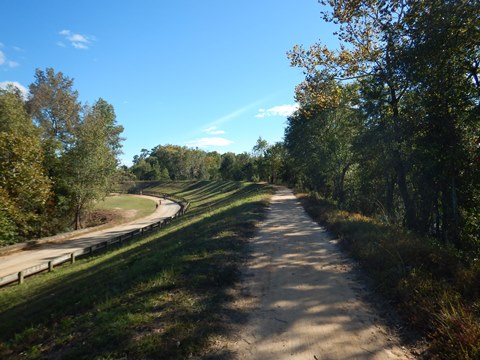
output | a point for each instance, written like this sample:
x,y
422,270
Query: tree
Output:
x,y
372,35
320,141
54,106
442,61
91,161
227,166
13,115
24,189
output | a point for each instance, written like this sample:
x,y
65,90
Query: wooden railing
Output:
x,y
20,276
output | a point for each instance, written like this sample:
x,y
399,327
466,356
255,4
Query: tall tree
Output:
x,y
24,188
373,35
442,61
54,106
91,161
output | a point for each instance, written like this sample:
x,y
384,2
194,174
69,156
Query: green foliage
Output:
x,y
409,134
267,163
94,153
55,160
24,188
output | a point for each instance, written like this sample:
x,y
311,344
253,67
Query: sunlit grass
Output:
x,y
140,206
160,297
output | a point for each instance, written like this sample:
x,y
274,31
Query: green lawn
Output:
x,y
142,207
161,297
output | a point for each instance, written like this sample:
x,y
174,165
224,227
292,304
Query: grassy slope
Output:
x,y
434,291
160,297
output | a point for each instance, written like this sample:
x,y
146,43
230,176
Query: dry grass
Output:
x,y
436,292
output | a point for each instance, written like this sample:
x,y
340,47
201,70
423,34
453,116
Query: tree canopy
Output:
x,y
57,157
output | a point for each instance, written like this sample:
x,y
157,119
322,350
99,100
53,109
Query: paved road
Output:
x,y
305,302
18,261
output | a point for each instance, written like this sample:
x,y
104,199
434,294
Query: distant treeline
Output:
x,y
173,162
57,157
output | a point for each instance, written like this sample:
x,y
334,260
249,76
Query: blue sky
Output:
x,y
211,73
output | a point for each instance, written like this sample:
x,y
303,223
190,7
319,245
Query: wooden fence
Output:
x,y
20,276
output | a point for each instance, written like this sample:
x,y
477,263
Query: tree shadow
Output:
x,y
309,300
141,301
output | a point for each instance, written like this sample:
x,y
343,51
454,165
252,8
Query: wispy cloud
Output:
x,y
209,142
78,41
236,113
12,64
5,85
279,110
213,130
4,61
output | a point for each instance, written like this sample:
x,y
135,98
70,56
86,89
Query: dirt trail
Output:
x,y
304,299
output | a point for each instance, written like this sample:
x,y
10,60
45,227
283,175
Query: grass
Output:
x,y
434,290
141,206
160,297
117,209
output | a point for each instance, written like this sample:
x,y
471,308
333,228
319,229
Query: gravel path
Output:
x,y
304,299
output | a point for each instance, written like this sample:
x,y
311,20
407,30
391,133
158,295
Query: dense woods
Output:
x,y
174,162
57,157
389,124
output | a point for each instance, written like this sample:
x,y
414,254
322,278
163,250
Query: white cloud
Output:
x,y
7,62
78,41
78,45
6,84
213,130
279,110
209,141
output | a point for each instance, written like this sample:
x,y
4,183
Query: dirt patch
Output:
x,y
111,217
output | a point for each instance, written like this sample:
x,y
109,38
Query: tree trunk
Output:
x,y
389,192
410,217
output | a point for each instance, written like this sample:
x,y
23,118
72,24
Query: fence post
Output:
x,y
50,266
20,277
72,258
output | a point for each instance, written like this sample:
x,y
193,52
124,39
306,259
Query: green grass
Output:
x,y
160,297
436,292
142,207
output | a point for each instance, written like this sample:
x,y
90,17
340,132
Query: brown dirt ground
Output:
x,y
303,297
